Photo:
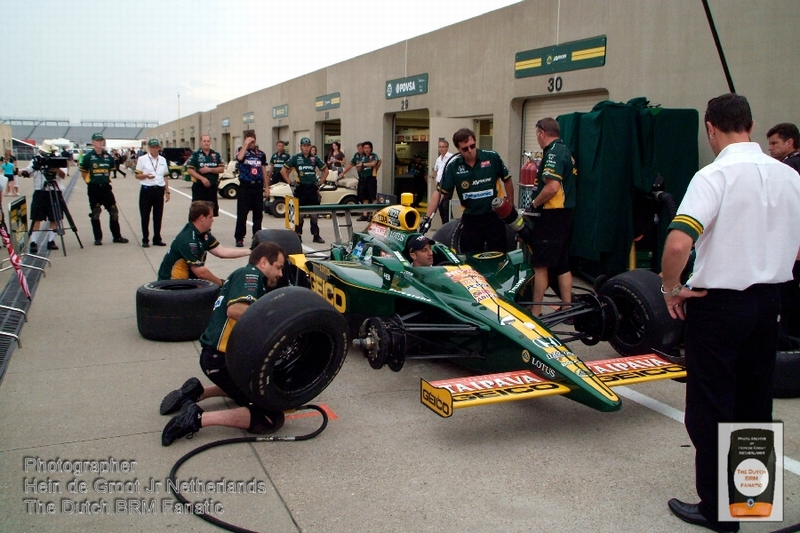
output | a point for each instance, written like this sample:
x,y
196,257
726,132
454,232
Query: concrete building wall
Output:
x,y
5,139
659,49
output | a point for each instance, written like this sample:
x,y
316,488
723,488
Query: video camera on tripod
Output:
x,y
48,165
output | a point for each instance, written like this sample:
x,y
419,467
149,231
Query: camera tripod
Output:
x,y
58,210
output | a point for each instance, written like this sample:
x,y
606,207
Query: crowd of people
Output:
x,y
743,195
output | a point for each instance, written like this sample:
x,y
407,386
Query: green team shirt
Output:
x,y
199,160
189,249
305,167
98,167
356,159
476,186
277,161
368,172
244,285
557,164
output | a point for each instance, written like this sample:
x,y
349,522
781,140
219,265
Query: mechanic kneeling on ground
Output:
x,y
244,286
186,258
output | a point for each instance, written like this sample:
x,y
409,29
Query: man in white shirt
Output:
x,y
742,214
437,172
150,171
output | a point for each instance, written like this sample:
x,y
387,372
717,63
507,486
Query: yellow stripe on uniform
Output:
x,y
689,221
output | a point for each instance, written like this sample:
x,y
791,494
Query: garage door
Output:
x,y
552,106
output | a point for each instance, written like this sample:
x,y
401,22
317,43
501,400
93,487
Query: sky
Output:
x,y
130,59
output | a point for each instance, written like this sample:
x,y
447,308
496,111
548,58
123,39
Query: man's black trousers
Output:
x,y
151,198
731,339
251,198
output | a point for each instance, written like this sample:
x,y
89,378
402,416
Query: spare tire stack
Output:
x,y
175,310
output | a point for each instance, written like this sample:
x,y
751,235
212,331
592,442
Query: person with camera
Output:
x,y
42,208
150,170
96,167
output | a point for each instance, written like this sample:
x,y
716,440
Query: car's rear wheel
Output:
x,y
286,348
786,378
174,174
450,235
644,321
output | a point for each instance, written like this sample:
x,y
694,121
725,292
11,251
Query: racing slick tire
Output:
x,y
229,191
644,322
786,378
286,348
450,235
290,243
285,238
277,207
175,310
174,174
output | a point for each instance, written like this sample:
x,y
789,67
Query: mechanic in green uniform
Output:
x,y
553,200
368,178
244,286
355,160
96,167
204,166
278,159
476,176
186,258
307,188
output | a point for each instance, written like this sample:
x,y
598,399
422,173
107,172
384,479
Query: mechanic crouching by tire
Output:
x,y
307,189
744,201
244,286
186,258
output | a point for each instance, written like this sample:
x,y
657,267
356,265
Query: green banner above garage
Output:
x,y
410,86
280,111
575,55
328,101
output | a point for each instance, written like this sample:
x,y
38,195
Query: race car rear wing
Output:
x,y
444,396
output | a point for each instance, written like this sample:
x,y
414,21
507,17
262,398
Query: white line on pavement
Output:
x,y
789,464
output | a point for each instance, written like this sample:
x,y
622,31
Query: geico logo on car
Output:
x,y
333,295
435,402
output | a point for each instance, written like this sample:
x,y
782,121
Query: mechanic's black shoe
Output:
x,y
184,424
362,218
51,245
120,240
319,239
159,243
33,248
98,242
189,392
145,244
240,244
690,513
